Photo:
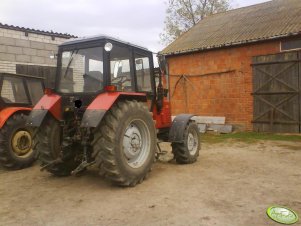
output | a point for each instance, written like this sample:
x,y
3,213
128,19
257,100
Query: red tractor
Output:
x,y
19,93
108,108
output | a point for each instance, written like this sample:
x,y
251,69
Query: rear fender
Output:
x,y
49,103
102,103
176,132
6,113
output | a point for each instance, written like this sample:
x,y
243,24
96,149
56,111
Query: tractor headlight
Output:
x,y
108,46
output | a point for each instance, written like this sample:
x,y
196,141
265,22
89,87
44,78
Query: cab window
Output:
x,y
13,91
120,68
142,67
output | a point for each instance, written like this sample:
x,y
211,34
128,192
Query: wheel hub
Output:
x,y
192,143
21,143
132,142
136,143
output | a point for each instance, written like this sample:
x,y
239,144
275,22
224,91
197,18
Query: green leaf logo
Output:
x,y
282,215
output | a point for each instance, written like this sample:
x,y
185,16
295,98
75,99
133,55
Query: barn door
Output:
x,y
277,93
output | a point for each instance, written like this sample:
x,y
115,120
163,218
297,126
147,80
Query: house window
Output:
x,y
291,45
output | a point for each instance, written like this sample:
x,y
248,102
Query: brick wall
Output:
x,y
225,94
34,49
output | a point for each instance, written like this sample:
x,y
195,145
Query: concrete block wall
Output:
x,y
226,94
34,49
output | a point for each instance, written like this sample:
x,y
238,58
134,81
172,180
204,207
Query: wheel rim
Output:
x,y
192,142
21,143
136,143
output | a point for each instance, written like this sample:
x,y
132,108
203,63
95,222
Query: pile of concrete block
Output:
x,y
211,123
215,124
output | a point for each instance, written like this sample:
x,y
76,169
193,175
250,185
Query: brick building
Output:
x,y
28,51
214,67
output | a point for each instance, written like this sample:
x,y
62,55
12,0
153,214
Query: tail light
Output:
x,y
110,88
47,91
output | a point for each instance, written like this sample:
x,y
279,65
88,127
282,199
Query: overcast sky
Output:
x,y
136,21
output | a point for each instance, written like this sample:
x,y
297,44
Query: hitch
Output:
x,y
81,167
86,162
57,161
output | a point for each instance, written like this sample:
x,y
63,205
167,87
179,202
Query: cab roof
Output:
x,y
100,38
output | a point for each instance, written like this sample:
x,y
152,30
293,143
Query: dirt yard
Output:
x,y
233,183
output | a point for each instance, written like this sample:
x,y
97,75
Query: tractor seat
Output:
x,y
93,80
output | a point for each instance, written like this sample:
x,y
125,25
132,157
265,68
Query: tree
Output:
x,y
181,15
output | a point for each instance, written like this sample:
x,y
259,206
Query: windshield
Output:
x,y
81,71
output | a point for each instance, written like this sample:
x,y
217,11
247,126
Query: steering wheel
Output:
x,y
92,77
120,80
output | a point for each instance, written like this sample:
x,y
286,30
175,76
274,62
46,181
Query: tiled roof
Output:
x,y
269,20
34,31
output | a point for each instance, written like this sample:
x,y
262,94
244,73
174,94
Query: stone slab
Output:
x,y
210,120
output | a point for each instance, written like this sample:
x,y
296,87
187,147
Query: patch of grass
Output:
x,y
248,137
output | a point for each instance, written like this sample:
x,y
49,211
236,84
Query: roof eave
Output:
x,y
35,31
233,44
101,38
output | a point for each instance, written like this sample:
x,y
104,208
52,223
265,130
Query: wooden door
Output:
x,y
276,91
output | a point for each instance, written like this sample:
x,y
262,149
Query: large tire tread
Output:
x,y
105,145
180,151
47,144
7,159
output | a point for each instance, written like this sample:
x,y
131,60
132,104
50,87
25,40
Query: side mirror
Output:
x,y
162,63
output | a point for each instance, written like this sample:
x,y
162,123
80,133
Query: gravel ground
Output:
x,y
233,183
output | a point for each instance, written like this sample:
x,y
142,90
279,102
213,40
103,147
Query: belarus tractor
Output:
x,y
19,93
108,108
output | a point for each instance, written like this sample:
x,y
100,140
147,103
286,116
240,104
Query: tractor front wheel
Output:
x,y
16,150
125,143
60,161
187,151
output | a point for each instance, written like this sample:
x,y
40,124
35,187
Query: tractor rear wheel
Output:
x,y
50,150
125,142
188,151
16,150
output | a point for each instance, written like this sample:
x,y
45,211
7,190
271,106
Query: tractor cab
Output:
x,y
19,94
19,90
95,65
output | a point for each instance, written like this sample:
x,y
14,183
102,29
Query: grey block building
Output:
x,y
27,51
